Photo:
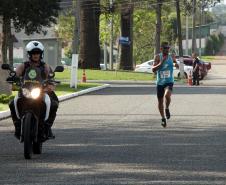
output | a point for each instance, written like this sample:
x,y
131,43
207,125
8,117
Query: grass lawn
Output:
x,y
3,107
106,75
208,58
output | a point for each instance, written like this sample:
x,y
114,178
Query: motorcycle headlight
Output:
x,y
35,93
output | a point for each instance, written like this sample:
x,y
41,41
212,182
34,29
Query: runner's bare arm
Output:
x,y
19,70
157,63
175,60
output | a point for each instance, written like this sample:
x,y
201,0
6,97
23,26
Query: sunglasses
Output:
x,y
35,52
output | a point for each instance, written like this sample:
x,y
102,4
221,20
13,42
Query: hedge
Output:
x,y
5,98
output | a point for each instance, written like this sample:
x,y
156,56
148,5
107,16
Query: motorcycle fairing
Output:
x,y
47,103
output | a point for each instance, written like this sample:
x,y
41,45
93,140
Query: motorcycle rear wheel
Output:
x,y
27,133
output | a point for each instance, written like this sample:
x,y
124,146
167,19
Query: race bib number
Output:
x,y
165,74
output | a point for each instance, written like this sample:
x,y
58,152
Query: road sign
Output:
x,y
124,41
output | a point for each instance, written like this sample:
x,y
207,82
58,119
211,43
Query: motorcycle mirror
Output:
x,y
59,69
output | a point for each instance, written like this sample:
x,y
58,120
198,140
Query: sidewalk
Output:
x,y
6,114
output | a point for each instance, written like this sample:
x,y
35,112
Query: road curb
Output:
x,y
6,114
79,93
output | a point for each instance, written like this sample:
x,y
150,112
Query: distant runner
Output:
x,y
163,65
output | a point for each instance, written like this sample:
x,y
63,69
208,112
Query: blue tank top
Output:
x,y
165,72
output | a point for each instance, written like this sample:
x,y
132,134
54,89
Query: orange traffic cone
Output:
x,y
84,76
190,78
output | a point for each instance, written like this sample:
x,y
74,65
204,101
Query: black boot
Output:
x,y
48,132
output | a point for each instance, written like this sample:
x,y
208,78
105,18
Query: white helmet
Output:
x,y
35,46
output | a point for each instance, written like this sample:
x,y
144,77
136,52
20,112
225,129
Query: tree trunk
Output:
x,y
10,46
126,58
5,44
181,65
90,46
158,26
4,87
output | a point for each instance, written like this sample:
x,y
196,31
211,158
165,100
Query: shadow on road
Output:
x,y
130,152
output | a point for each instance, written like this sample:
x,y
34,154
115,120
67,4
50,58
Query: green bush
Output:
x,y
214,43
5,98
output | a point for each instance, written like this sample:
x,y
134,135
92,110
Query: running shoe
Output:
x,y
163,122
167,113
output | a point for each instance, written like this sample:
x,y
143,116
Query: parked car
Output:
x,y
145,67
187,71
203,68
187,59
203,71
208,65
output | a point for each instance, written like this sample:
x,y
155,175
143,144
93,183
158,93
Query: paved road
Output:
x,y
114,136
217,75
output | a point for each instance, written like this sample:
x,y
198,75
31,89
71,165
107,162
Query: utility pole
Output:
x,y
75,47
200,30
186,50
193,27
111,36
181,65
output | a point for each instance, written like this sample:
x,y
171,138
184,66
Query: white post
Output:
x,y
181,67
105,56
74,71
75,48
111,37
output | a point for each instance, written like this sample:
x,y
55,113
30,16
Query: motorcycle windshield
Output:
x,y
33,74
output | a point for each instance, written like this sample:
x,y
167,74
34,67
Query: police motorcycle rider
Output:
x,y
35,51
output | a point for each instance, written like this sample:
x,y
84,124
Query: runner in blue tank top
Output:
x,y
163,66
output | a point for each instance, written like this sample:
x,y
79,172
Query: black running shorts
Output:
x,y
161,89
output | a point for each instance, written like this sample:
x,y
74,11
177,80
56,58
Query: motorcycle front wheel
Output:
x,y
37,147
27,135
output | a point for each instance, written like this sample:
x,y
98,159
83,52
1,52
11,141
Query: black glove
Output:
x,y
10,79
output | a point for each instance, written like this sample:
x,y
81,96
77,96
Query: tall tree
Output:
x,y
126,58
179,28
89,38
28,15
4,87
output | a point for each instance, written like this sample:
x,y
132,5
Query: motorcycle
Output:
x,y
32,106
